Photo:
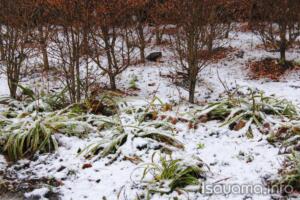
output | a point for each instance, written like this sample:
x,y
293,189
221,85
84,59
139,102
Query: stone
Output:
x,y
153,57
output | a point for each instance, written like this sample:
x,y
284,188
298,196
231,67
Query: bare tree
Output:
x,y
156,15
69,44
277,23
141,19
14,42
41,21
190,39
111,39
219,23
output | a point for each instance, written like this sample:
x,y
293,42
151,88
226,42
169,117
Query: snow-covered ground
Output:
x,y
226,152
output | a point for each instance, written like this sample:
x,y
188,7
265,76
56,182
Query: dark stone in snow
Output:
x,y
153,57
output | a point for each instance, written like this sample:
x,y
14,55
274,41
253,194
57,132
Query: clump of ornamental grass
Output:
x,y
169,174
4,121
32,126
150,112
46,102
243,110
35,132
130,123
126,133
133,83
287,136
43,102
29,138
31,102
290,174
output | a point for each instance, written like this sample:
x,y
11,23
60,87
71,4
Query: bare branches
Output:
x,y
277,23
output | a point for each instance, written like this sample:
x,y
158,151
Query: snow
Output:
x,y
231,156
3,86
38,193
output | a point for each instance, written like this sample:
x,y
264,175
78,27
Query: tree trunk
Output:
x,y
142,44
210,44
78,83
283,44
45,57
43,46
193,72
192,88
112,80
282,54
158,36
227,30
73,85
12,89
211,37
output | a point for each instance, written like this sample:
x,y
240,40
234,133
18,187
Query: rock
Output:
x,y
153,57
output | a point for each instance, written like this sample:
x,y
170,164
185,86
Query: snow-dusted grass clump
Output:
x,y
134,122
167,174
240,110
31,133
287,136
289,175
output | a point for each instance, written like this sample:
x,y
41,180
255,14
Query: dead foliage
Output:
x,y
270,68
273,47
220,53
267,46
244,28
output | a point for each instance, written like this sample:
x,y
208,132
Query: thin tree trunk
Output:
x,y
227,30
210,41
210,44
158,36
12,88
283,44
43,46
142,42
192,88
78,91
45,57
282,54
112,80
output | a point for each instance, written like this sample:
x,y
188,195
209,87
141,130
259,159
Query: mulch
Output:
x,y
270,68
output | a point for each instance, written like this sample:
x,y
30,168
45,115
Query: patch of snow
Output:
x,y
37,194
